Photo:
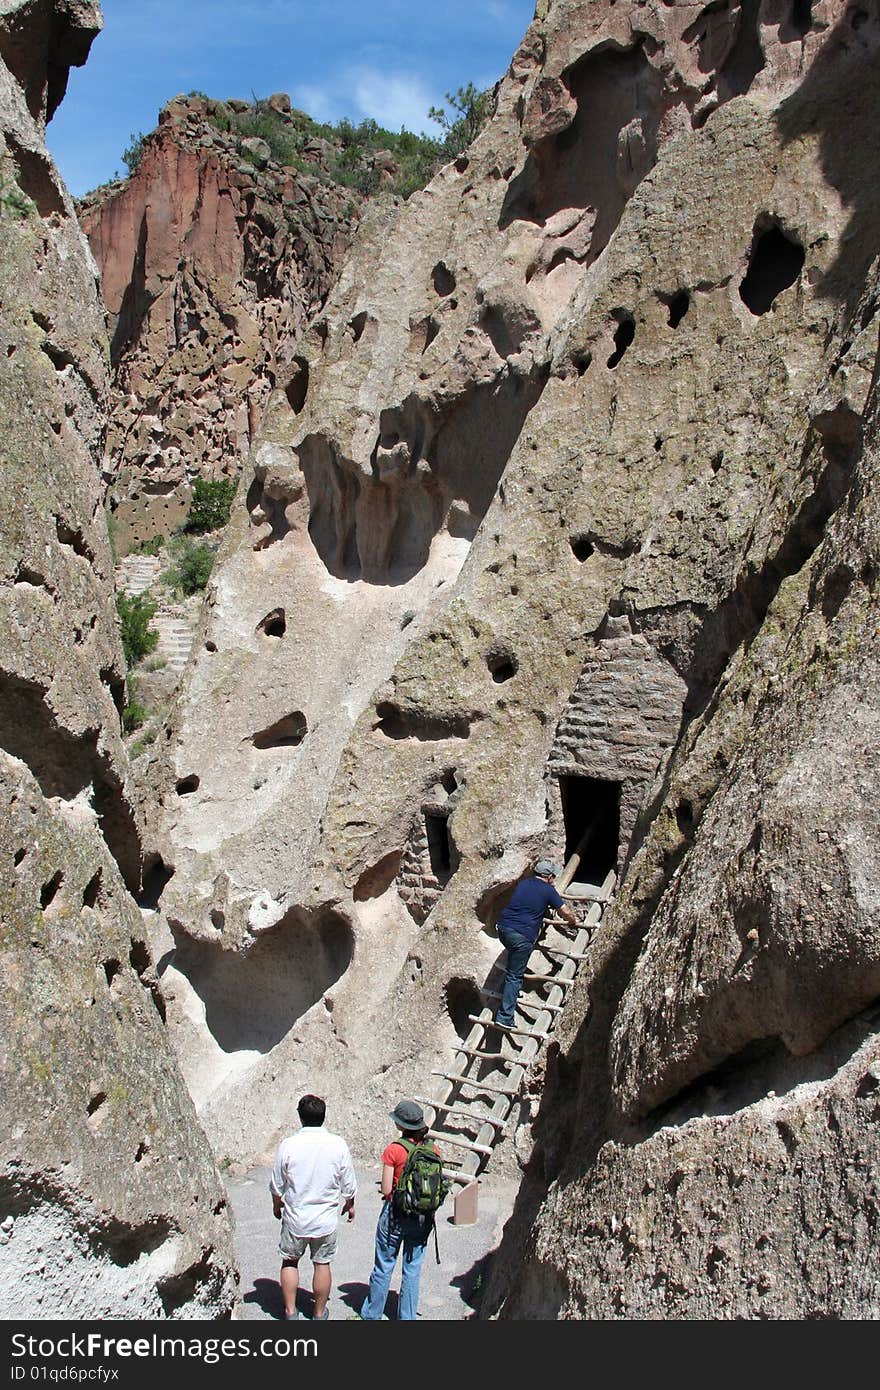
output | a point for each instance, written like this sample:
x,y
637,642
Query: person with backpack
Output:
x,y
413,1188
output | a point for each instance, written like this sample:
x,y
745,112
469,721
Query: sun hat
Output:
x,y
407,1114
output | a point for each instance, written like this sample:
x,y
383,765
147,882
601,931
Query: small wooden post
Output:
x,y
464,1212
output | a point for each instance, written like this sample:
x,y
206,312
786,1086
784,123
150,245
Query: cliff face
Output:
x,y
212,257
565,511
110,1201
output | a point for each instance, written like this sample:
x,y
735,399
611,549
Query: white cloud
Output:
x,y
393,101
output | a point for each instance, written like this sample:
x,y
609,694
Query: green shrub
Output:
x,y
13,203
473,107
191,565
138,638
152,546
134,714
262,123
210,505
133,153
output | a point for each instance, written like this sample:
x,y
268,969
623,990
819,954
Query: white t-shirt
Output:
x,y
312,1174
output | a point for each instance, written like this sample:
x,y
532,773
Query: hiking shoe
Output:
x,y
295,1316
321,1317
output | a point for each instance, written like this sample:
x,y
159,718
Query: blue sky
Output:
x,y
389,59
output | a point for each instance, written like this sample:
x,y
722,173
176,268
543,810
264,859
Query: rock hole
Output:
x,y
288,969
462,998
775,262
297,387
111,970
716,461
185,786
396,723
95,1103
677,306
626,332
357,326
139,957
210,646
49,890
581,362
442,279
74,539
502,664
378,878
581,547
802,16
142,1150
439,845
156,877
287,732
684,816
423,333
92,890
449,781
19,856
461,164
591,812
274,624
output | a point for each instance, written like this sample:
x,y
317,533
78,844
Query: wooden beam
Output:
x,y
507,1028
457,1110
479,1085
461,1143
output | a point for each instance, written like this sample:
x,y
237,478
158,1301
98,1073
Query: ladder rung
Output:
x,y
525,1003
457,1110
493,1056
569,955
550,980
478,1085
461,1143
505,1028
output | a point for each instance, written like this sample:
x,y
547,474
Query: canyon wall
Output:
x,y
566,502
212,257
110,1202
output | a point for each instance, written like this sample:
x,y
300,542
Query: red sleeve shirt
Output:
x,y
396,1155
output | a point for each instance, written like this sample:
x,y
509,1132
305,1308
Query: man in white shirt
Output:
x,y
313,1172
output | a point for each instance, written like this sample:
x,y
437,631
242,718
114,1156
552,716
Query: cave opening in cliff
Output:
x,y
439,845
463,998
591,812
288,969
775,262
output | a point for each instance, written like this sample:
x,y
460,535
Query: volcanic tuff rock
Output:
x,y
110,1204
570,489
212,257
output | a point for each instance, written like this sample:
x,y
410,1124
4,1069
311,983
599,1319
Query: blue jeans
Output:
x,y
391,1233
519,950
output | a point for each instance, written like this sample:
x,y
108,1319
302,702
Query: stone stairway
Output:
x,y
135,574
175,638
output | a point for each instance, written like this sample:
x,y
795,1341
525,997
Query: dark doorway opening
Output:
x,y
591,805
439,848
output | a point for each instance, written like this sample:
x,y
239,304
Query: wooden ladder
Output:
x,y
470,1111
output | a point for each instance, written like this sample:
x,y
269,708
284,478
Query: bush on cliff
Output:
x,y
138,638
133,152
210,505
191,565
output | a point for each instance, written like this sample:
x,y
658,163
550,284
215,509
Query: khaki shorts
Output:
x,y
321,1248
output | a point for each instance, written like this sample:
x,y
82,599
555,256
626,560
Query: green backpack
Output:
x,y
421,1188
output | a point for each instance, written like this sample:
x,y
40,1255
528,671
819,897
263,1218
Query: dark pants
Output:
x,y
519,950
